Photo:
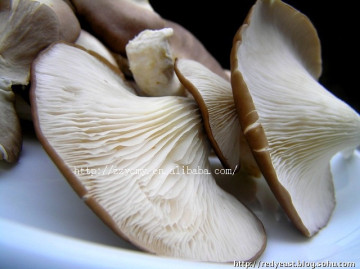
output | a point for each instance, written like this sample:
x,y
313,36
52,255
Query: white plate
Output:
x,y
45,223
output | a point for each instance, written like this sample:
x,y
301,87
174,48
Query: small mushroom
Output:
x,y
151,62
215,99
26,27
140,163
293,125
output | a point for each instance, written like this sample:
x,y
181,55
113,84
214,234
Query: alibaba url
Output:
x,y
178,170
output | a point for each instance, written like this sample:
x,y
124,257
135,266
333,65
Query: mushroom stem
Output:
x,y
152,63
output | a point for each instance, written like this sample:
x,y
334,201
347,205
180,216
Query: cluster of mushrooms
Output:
x,y
136,91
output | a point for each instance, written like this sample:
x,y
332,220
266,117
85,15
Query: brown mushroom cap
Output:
x,y
116,22
26,27
293,125
129,157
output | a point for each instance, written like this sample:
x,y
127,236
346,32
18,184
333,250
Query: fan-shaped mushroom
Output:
x,y
215,99
292,123
140,163
26,27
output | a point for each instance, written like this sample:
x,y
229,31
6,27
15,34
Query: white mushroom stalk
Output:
x,y
215,99
293,124
152,63
140,163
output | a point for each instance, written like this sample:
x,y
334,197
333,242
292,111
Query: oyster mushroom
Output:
x,y
215,99
26,27
293,125
140,163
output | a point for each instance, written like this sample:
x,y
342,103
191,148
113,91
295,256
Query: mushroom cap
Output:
x,y
26,27
67,22
215,99
117,22
135,160
292,123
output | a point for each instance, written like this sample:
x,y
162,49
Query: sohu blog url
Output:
x,y
297,264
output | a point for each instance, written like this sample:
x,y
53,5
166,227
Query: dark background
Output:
x,y
215,23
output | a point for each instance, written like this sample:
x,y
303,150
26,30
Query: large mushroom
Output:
x,y
26,27
215,99
140,163
293,125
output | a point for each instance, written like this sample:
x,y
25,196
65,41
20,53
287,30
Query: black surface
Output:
x,y
216,22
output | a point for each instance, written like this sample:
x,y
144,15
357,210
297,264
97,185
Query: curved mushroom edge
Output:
x,y
299,29
204,112
215,100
